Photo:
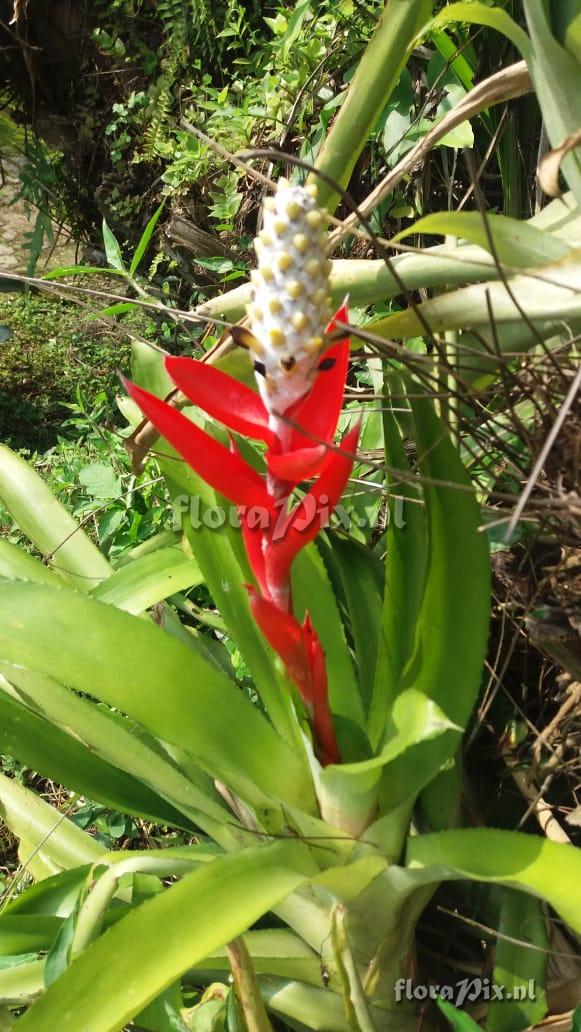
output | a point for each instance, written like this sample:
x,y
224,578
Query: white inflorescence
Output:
x,y
290,295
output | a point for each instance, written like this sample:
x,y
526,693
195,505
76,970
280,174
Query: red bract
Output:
x,y
272,549
301,651
223,469
299,446
221,396
312,421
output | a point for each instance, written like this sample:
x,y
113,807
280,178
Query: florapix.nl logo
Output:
x,y
214,517
467,990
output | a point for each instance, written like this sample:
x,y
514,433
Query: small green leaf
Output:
x,y
112,248
119,309
58,956
218,265
100,480
293,29
145,238
79,270
459,1021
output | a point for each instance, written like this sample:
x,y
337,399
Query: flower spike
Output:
x,y
295,414
290,297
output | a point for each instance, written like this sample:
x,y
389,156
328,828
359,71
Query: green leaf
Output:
x,y
548,296
477,13
459,1021
377,73
57,959
22,983
145,238
50,834
100,480
148,580
135,667
360,574
148,369
406,545
218,264
58,754
398,119
274,951
442,76
308,1007
454,58
80,270
556,74
576,1026
27,933
54,896
17,564
521,957
348,793
447,661
118,309
136,959
312,591
516,242
549,870
293,29
112,248
68,550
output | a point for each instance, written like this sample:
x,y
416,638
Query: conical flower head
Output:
x,y
290,296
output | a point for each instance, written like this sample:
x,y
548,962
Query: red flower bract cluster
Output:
x,y
299,446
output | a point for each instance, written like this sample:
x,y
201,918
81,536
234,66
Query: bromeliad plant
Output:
x,y
329,808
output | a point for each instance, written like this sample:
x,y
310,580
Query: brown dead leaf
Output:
x,y
18,10
548,170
